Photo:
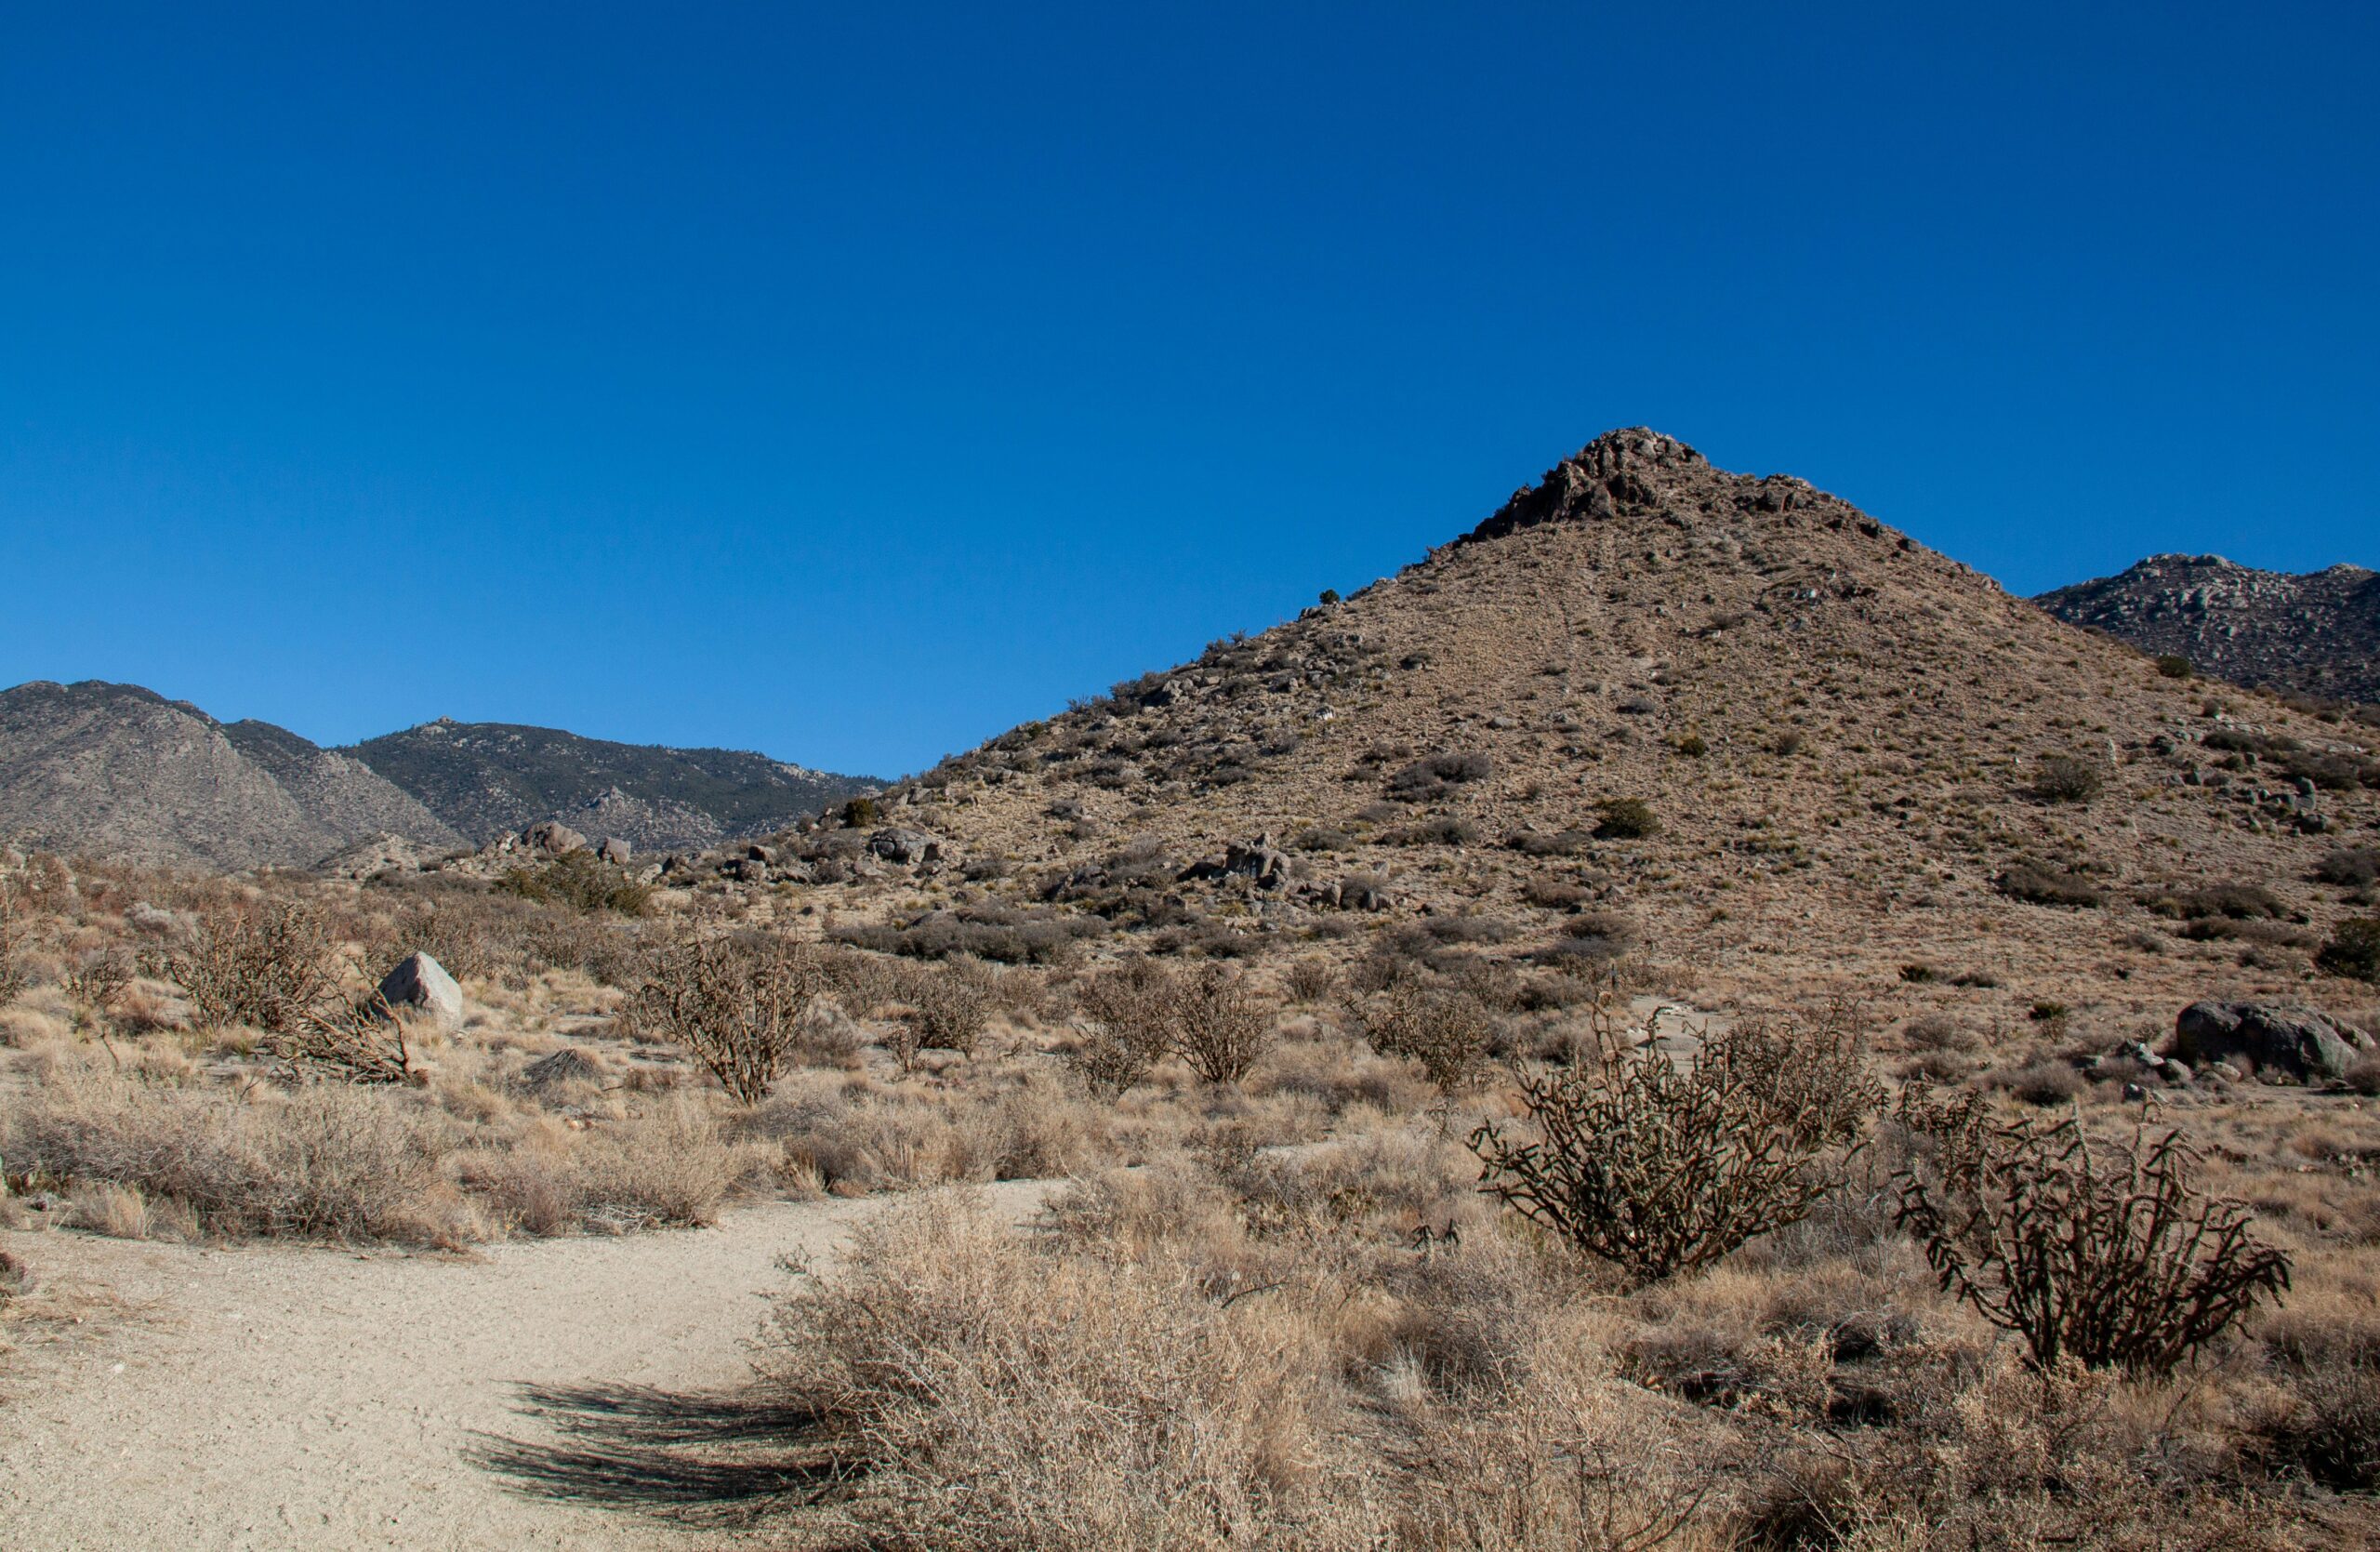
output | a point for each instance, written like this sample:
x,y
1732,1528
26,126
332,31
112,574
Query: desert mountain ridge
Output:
x,y
2316,633
120,771
487,778
1731,720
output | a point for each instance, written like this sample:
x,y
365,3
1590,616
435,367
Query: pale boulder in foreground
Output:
x,y
421,983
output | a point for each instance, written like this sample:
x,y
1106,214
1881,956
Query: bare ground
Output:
x,y
576,1393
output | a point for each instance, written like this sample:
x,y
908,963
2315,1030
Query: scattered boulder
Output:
x,y
553,838
2267,1039
1259,861
374,857
421,983
906,847
615,851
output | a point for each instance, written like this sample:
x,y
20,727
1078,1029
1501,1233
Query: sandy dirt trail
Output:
x,y
539,1394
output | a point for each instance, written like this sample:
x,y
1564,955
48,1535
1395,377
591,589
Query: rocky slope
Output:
x,y
1870,770
118,771
489,778
2318,634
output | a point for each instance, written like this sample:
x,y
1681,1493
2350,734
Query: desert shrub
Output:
x,y
1939,1032
326,1161
581,881
1692,746
267,965
2047,1082
1128,1011
1220,1026
1443,829
2173,665
2353,949
2240,902
2046,886
2349,868
458,939
1434,772
14,922
1555,895
1450,1033
1323,838
2326,1422
98,979
861,812
1662,1166
2065,778
2090,1249
365,1044
735,1002
1310,981
1004,1397
1589,941
1566,842
952,1003
669,1166
1626,820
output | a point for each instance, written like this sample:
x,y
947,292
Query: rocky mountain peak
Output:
x,y
2318,632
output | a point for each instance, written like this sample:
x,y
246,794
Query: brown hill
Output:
x,y
1861,756
120,772
2318,633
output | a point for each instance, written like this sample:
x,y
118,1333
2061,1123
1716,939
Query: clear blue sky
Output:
x,y
853,382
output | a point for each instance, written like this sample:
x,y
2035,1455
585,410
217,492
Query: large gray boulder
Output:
x,y
553,838
2270,1040
906,847
422,984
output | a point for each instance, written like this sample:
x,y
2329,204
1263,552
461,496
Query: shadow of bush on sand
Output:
x,y
699,1456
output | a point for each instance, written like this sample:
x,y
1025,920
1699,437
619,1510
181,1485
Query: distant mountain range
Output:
x,y
119,771
2318,633
484,779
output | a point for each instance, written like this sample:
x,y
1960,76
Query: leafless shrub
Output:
x,y
2048,886
360,1044
326,1161
735,1003
952,1002
267,965
1310,981
1220,1027
15,921
2090,1249
99,978
2065,778
1126,1024
1003,1398
1663,1166
1449,1032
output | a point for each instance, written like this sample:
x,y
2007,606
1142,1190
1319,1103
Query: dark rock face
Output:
x,y
2297,1042
2318,633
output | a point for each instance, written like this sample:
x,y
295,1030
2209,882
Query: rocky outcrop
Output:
x,y
2268,1040
2318,632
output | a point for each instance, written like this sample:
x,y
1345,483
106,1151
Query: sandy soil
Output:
x,y
556,1393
